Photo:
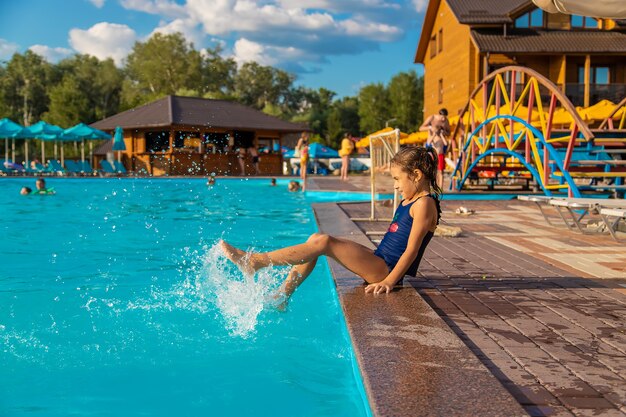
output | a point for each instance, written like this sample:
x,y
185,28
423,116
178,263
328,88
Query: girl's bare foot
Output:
x,y
238,257
278,300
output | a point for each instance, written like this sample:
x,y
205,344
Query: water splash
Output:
x,y
239,298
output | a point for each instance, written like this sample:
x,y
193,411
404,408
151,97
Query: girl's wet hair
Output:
x,y
410,158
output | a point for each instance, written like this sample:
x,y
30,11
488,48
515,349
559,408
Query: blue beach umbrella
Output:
x,y
317,151
118,142
9,129
44,132
83,132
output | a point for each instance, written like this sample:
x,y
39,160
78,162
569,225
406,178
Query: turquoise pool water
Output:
x,y
114,302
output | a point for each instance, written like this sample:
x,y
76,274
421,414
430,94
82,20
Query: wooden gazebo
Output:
x,y
195,136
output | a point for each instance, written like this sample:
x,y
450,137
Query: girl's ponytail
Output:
x,y
432,171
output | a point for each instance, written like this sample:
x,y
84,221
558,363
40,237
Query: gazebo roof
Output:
x,y
196,112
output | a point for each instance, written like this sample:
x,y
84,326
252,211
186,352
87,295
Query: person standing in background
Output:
x,y
438,129
347,146
302,148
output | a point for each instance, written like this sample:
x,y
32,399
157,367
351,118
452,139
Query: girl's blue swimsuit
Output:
x,y
396,239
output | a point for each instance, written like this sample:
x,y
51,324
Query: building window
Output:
x,y
215,142
583,22
157,141
440,89
597,75
440,41
519,77
532,19
433,46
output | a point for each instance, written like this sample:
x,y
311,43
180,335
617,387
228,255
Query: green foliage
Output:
x,y
162,65
218,74
263,87
374,107
89,91
406,100
24,87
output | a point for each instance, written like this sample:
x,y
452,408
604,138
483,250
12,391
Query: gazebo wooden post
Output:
x,y
170,152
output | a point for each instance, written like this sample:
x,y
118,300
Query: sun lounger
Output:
x,y
611,218
39,169
540,201
119,167
86,168
55,167
106,166
579,208
73,167
8,167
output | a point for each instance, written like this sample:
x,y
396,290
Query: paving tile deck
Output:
x,y
552,336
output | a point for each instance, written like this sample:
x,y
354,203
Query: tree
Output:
x,y
349,107
343,118
319,103
218,74
406,99
261,86
162,65
89,91
373,107
24,87
69,105
334,128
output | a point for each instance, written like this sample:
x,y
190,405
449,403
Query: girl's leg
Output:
x,y
355,257
296,276
345,163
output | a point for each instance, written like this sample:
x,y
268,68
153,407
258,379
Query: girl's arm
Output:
x,y
422,213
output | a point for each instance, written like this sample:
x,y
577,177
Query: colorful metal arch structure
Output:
x,y
530,128
608,123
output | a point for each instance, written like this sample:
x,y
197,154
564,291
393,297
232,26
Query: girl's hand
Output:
x,y
379,288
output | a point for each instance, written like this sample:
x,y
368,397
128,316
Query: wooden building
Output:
x,y
195,136
464,40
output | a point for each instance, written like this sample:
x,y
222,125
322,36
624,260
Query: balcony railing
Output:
x,y
576,92
597,92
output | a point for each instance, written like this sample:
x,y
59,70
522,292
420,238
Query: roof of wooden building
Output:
x,y
549,41
196,112
486,11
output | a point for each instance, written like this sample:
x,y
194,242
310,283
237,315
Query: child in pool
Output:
x,y
414,171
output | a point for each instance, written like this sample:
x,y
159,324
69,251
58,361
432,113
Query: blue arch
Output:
x,y
538,134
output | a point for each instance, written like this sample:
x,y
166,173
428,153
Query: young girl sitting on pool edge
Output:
x,y
414,171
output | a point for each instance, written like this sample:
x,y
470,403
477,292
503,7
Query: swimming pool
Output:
x,y
113,301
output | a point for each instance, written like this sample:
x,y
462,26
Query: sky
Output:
x,y
340,45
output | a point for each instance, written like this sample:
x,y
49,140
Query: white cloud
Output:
x,y
354,6
420,5
372,30
163,8
51,54
7,49
97,3
104,40
246,50
188,27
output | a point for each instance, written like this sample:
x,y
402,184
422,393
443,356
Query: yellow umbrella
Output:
x,y
364,142
415,138
521,112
